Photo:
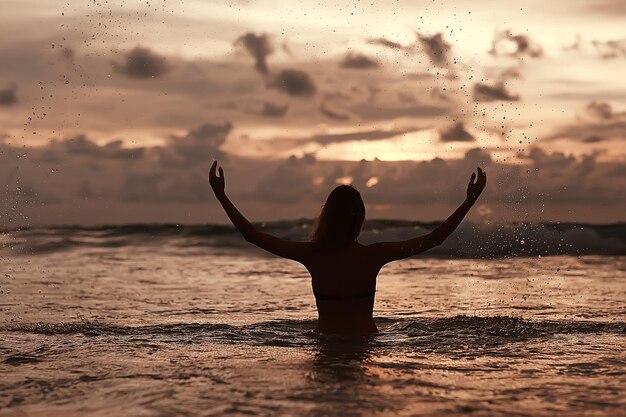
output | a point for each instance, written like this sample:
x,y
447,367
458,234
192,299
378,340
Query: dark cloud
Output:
x,y
456,133
358,61
288,183
605,49
556,178
610,49
330,138
385,42
436,48
270,189
8,97
600,110
154,187
68,54
593,139
81,145
421,76
80,168
406,98
496,92
294,82
477,157
273,110
369,111
362,135
611,129
198,145
601,124
505,43
142,63
259,47
510,73
556,163
332,114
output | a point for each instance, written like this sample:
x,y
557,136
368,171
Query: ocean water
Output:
x,y
166,320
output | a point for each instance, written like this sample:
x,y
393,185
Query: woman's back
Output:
x,y
344,285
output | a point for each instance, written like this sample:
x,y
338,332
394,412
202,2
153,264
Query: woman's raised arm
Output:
x,y
386,252
284,248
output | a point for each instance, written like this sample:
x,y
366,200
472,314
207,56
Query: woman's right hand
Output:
x,y
217,183
474,188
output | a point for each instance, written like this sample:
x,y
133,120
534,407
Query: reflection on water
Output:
x,y
339,374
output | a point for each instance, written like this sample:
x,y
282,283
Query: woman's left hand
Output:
x,y
474,188
217,183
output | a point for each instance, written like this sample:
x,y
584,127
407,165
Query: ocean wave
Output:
x,y
458,331
471,240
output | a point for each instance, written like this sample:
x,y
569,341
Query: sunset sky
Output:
x,y
112,111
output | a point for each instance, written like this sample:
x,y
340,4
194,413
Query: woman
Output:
x,y
343,271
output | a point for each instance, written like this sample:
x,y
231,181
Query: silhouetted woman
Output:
x,y
343,271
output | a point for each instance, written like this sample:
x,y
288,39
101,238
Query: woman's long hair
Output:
x,y
341,218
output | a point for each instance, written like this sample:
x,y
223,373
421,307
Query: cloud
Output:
x,y
593,139
510,73
81,145
456,133
332,114
369,111
604,49
600,124
496,92
351,136
198,145
293,187
294,82
273,110
142,63
600,110
375,134
259,47
155,187
68,54
505,43
610,49
406,98
289,182
8,97
79,168
358,61
385,42
477,157
436,48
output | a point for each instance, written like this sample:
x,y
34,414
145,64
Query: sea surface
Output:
x,y
170,320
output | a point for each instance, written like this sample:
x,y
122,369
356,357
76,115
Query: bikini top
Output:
x,y
319,296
